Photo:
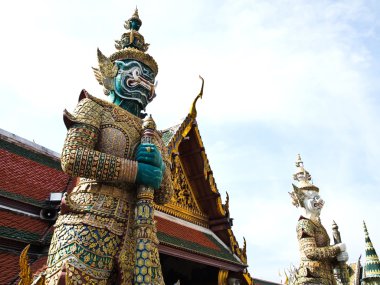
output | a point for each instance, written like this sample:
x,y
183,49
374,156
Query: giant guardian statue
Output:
x,y
105,233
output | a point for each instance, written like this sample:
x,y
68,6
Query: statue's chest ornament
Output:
x,y
119,133
114,140
321,236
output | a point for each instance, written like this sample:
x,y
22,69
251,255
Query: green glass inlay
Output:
x,y
13,233
21,198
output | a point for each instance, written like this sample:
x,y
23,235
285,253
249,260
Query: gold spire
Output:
x,y
136,14
132,44
303,176
132,38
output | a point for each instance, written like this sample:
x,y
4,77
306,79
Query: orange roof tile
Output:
x,y
29,178
21,222
9,265
39,265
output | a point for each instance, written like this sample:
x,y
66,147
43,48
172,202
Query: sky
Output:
x,y
281,78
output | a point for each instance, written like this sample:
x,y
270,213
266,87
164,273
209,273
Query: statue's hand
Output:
x,y
342,246
149,175
343,256
149,154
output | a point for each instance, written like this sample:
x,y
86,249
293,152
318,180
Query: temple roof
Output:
x,y
18,158
9,264
203,206
9,267
191,238
22,228
197,228
29,173
185,144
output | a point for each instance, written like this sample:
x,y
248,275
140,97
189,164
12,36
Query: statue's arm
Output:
x,y
308,245
311,251
79,157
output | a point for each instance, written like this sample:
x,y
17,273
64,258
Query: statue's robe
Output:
x,y
318,257
93,240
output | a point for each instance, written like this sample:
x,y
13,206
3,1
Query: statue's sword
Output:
x,y
145,232
341,269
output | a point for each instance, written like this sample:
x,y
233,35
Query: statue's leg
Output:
x,y
81,254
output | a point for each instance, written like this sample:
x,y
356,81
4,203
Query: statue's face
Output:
x,y
313,203
134,81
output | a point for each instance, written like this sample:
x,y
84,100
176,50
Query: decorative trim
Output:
x,y
16,234
21,198
26,152
208,173
26,144
191,212
132,53
248,278
191,246
181,214
222,277
179,253
191,226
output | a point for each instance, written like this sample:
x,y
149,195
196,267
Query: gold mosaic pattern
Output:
x,y
133,53
182,203
183,195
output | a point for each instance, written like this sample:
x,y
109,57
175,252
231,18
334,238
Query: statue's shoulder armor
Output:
x,y
88,111
305,228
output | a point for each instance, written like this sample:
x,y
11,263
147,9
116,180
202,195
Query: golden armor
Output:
x,y
94,238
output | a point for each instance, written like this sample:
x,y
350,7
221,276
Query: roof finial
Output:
x,y
193,110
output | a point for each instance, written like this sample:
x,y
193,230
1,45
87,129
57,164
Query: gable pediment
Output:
x,y
183,203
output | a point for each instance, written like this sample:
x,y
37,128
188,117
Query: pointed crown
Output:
x,y
131,46
372,265
303,177
132,38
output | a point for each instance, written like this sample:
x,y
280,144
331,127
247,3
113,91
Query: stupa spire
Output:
x,y
372,264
